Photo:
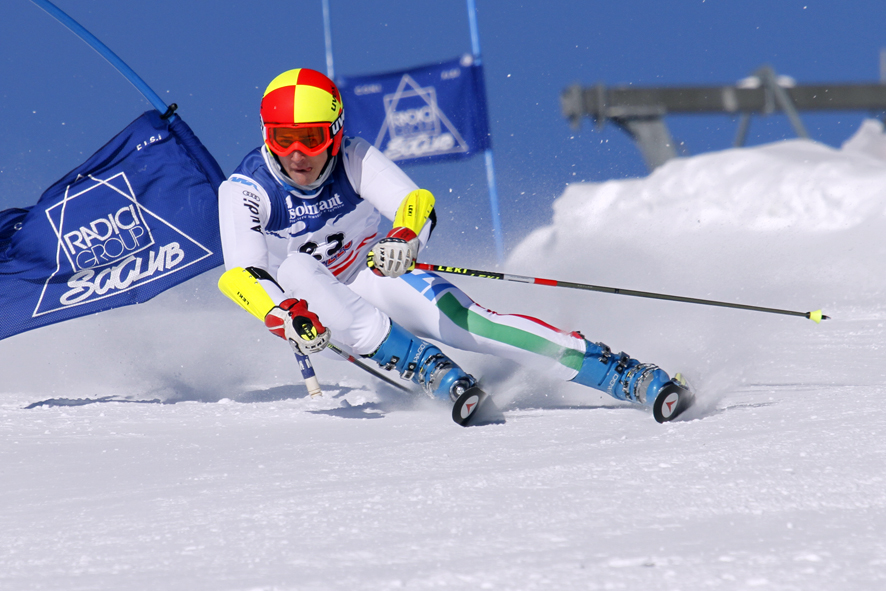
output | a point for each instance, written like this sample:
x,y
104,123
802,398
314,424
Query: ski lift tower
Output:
x,y
641,111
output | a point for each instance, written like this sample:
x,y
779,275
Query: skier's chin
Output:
x,y
303,177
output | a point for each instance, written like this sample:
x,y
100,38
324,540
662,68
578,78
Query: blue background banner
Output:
x,y
137,218
424,114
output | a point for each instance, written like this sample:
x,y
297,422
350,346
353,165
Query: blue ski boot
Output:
x,y
423,364
627,379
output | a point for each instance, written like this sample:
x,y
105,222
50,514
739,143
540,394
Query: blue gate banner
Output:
x,y
138,217
424,114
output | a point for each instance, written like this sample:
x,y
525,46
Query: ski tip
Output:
x,y
672,400
817,316
475,408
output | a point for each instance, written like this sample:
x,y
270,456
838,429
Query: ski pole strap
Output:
x,y
815,316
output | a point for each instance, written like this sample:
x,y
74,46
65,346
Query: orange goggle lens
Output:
x,y
311,139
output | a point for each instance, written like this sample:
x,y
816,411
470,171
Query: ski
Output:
x,y
673,400
474,408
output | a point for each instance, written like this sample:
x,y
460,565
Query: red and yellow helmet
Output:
x,y
301,110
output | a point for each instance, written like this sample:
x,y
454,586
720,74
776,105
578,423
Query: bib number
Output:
x,y
322,252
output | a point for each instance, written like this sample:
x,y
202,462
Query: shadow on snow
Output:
x,y
390,400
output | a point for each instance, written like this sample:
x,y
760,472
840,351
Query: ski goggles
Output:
x,y
309,138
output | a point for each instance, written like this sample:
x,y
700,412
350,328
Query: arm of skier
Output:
x,y
243,210
398,198
395,254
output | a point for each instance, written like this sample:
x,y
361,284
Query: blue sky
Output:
x,y
60,101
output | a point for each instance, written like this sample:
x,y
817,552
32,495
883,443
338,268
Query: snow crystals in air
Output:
x,y
172,446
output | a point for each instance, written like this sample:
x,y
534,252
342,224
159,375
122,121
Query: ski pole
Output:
x,y
815,316
348,357
242,287
307,372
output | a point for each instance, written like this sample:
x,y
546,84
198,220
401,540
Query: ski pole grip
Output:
x,y
245,290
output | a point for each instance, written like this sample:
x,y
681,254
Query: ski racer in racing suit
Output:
x,y
302,214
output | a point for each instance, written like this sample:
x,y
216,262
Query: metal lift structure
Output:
x,y
641,111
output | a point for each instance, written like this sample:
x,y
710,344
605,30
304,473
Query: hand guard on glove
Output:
x,y
395,254
292,321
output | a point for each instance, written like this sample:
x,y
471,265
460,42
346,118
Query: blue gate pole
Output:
x,y
327,33
490,164
106,53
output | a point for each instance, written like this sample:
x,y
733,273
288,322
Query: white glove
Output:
x,y
292,321
395,254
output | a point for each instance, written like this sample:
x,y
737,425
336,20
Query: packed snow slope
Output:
x,y
172,446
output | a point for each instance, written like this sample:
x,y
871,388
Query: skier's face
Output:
x,y
303,169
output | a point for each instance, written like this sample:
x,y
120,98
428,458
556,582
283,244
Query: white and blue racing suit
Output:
x,y
314,243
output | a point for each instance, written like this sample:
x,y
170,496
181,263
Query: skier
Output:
x,y
302,213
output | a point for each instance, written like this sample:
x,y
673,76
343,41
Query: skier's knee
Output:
x,y
299,269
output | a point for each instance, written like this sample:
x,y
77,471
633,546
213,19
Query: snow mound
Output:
x,y
798,184
794,225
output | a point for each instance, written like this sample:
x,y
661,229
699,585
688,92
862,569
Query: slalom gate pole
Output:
x,y
815,316
490,161
327,34
105,52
